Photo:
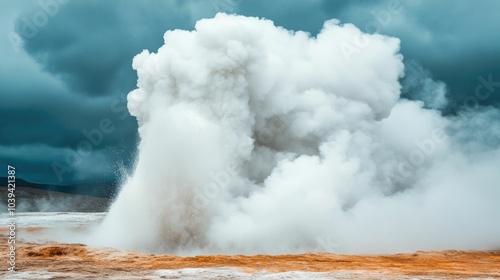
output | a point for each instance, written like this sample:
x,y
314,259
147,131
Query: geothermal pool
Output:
x,y
41,254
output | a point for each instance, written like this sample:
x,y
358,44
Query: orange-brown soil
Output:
x,y
90,261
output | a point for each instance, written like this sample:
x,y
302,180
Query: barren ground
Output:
x,y
65,261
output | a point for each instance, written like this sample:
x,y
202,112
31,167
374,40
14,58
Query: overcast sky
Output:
x,y
66,66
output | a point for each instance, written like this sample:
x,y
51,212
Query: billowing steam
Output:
x,y
256,139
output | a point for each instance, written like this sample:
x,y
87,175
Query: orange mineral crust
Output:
x,y
88,261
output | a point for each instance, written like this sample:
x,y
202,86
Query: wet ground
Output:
x,y
39,257
70,261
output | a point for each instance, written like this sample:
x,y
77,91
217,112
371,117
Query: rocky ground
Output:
x,y
78,261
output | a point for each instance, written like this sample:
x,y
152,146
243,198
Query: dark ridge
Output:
x,y
106,190
29,199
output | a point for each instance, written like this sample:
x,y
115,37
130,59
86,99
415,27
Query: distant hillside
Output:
x,y
32,197
37,200
104,189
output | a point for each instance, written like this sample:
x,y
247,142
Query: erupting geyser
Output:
x,y
256,139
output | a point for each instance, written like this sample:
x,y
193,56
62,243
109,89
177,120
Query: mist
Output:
x,y
257,139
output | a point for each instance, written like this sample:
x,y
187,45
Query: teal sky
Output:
x,y
66,65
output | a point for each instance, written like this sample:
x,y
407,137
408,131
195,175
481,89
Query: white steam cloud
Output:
x,y
256,139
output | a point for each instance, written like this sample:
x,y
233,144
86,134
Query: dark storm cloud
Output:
x,y
292,14
43,120
85,50
89,44
457,41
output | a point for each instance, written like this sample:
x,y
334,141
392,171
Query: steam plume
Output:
x,y
257,139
